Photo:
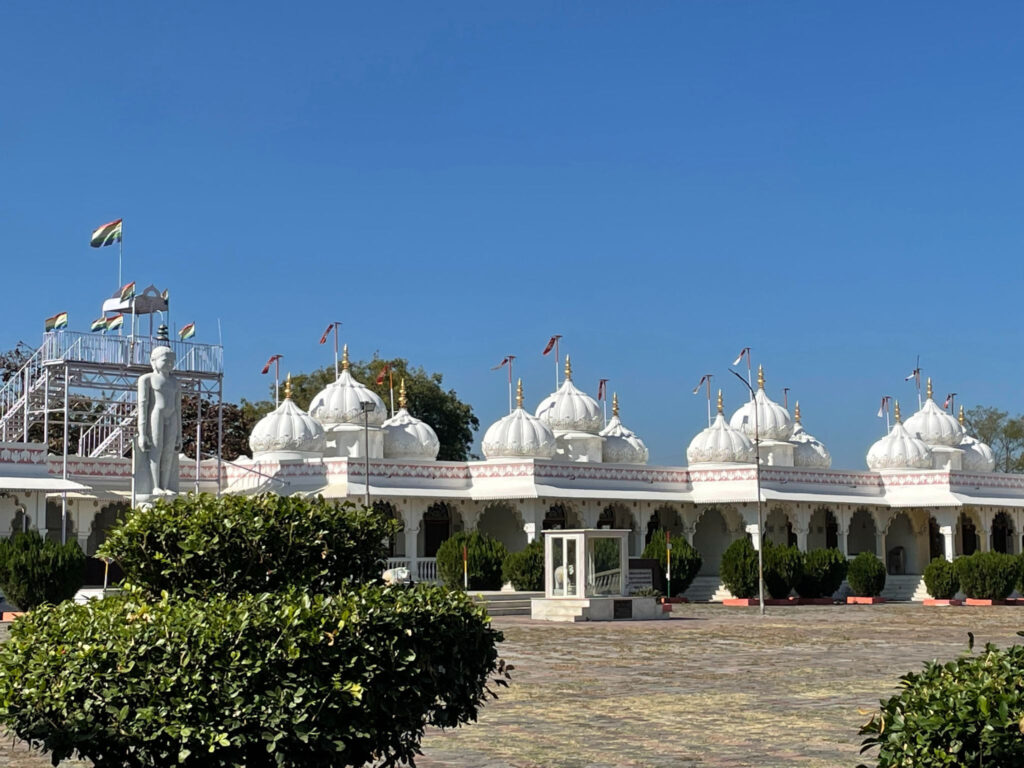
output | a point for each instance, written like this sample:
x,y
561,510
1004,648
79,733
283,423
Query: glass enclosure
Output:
x,y
585,563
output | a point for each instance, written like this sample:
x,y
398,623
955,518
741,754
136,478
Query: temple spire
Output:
x,y
401,394
720,401
760,376
615,404
344,358
519,394
961,418
896,411
928,391
568,369
288,387
796,413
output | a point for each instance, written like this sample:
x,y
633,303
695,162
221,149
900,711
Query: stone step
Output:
x,y
506,603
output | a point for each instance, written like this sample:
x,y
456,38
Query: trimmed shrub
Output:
x,y
739,568
525,570
34,570
201,545
686,561
484,560
961,713
866,575
941,579
783,569
824,571
267,681
987,575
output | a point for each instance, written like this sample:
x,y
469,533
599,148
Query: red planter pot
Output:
x,y
854,600
978,601
937,601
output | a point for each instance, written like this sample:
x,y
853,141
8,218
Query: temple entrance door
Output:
x,y
437,527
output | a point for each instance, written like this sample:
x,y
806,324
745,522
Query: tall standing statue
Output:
x,y
158,443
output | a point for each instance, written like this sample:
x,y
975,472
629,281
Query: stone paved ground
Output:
x,y
714,686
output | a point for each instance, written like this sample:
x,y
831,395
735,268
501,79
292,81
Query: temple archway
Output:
x,y
502,522
561,517
1003,534
667,518
901,546
862,533
615,516
823,532
967,539
778,530
53,518
710,538
396,543
437,527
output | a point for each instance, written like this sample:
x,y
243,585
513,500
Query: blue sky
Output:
x,y
837,186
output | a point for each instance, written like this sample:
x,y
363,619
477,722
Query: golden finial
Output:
x,y
615,404
288,387
896,411
760,376
796,412
519,393
568,369
401,394
344,358
928,392
961,419
719,401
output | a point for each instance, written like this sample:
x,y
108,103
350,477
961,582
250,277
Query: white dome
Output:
x,y
977,457
933,425
406,437
773,421
518,435
570,409
720,443
621,445
899,450
287,429
341,402
808,451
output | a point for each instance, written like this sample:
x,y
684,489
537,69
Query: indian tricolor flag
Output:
x,y
114,322
58,321
108,234
187,332
99,324
128,291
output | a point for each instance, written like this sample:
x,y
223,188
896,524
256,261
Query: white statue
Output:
x,y
159,440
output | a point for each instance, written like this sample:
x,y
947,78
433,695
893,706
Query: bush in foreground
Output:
x,y
941,580
34,570
525,569
686,561
866,575
783,569
485,556
739,568
987,575
286,679
824,571
966,712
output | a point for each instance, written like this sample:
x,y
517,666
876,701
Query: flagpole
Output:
x,y
336,374
510,359
557,358
391,386
708,377
277,382
119,247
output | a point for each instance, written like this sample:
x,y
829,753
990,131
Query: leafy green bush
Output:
x,y
686,561
262,680
987,575
739,568
824,571
525,570
941,580
963,713
783,569
201,545
34,570
866,575
485,556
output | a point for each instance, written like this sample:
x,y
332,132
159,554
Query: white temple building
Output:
x,y
928,489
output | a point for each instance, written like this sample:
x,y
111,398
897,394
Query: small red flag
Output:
x,y
949,400
270,362
601,389
745,352
383,373
551,343
503,363
323,339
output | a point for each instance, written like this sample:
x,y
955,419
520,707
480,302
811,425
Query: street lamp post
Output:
x,y
757,479
367,408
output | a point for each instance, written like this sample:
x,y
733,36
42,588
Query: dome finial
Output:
x,y
928,391
961,418
288,387
796,412
568,369
719,401
401,394
519,393
615,403
760,376
896,411
344,358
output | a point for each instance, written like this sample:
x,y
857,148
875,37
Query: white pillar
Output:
x,y
947,532
531,532
755,534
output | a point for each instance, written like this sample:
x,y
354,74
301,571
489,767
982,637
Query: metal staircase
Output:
x,y
112,432
17,396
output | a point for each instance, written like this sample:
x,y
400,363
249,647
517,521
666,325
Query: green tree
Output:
x,y
452,420
1003,433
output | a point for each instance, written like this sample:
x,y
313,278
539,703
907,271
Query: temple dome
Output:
x,y
977,456
406,437
808,451
934,425
720,443
773,421
569,409
340,402
519,435
899,450
288,430
621,445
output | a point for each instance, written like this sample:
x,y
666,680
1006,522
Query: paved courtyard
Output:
x,y
713,686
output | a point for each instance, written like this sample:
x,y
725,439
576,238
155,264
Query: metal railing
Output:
x,y
111,431
128,350
13,398
421,568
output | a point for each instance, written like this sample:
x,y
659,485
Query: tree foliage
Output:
x,y
1003,433
866,575
525,569
686,561
34,570
738,568
484,558
452,420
